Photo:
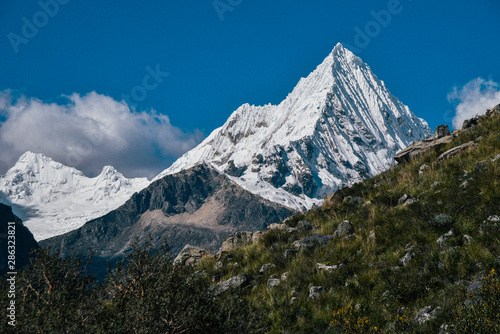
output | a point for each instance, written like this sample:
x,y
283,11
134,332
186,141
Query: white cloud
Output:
x,y
90,131
473,99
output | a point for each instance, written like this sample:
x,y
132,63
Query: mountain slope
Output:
x,y
198,206
338,126
24,242
53,199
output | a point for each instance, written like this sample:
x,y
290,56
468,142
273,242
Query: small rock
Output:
x,y
289,253
345,228
427,314
353,200
267,268
467,239
293,300
291,230
490,225
435,183
405,260
311,242
403,199
442,239
284,276
236,282
273,283
218,265
445,329
324,267
423,168
315,291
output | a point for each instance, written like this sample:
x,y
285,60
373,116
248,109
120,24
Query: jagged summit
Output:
x,y
339,125
53,198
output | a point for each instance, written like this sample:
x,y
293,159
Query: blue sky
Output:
x,y
200,60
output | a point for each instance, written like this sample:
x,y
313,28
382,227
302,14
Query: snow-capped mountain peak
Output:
x,y
52,198
339,125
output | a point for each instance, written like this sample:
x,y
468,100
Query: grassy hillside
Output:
x,y
392,266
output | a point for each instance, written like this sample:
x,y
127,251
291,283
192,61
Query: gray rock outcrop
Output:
x,y
442,131
190,255
240,239
456,150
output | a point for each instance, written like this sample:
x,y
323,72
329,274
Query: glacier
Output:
x,y
337,127
53,199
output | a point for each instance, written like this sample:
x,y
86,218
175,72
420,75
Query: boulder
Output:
x,y
469,123
442,131
344,229
190,255
420,147
315,291
237,282
456,150
493,112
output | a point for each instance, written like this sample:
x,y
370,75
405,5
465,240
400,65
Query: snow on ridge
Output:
x,y
338,126
53,199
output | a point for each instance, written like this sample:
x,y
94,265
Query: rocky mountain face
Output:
x,y
24,241
52,198
338,126
198,206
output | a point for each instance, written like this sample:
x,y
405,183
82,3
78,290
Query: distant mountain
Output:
x,y
197,206
53,199
24,241
338,126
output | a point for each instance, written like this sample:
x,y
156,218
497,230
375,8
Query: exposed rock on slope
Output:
x,y
198,206
338,126
24,241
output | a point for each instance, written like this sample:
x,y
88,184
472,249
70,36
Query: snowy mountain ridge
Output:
x,y
53,199
338,126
